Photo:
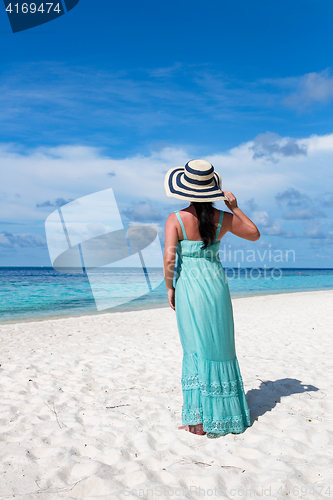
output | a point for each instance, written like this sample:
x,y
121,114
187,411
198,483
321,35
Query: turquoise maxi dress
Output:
x,y
212,385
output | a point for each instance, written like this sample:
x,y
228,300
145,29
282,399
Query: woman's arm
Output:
x,y
238,223
171,240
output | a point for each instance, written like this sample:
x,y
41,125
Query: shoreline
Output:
x,y
146,308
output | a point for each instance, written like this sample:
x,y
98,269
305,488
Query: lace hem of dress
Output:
x,y
225,389
234,425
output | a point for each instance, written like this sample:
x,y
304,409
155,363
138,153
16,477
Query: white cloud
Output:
x,y
10,240
44,176
143,211
274,147
293,198
304,214
317,232
312,87
251,204
267,225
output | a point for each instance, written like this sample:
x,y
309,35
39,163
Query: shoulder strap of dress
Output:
x,y
219,225
181,223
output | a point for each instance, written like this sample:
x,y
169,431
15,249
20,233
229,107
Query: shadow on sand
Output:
x,y
270,393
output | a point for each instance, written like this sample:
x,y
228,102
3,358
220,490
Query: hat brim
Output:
x,y
174,187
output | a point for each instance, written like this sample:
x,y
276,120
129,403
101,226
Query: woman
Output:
x,y
214,401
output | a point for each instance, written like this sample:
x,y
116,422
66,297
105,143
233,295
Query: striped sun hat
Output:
x,y
197,181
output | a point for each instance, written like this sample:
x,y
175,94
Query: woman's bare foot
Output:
x,y
195,429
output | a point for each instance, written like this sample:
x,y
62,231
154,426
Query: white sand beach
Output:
x,y
90,407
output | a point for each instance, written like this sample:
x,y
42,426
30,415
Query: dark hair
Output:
x,y
207,230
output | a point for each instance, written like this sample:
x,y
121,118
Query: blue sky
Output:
x,y
105,93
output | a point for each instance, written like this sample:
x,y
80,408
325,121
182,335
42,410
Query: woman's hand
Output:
x,y
171,298
237,222
232,203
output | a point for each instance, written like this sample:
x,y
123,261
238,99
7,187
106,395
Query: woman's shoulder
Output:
x,y
172,218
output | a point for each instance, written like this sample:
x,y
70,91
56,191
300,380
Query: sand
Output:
x,y
90,407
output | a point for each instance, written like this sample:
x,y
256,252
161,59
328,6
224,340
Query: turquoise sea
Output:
x,y
30,293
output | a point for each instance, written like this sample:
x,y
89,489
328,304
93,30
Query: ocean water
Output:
x,y
28,293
